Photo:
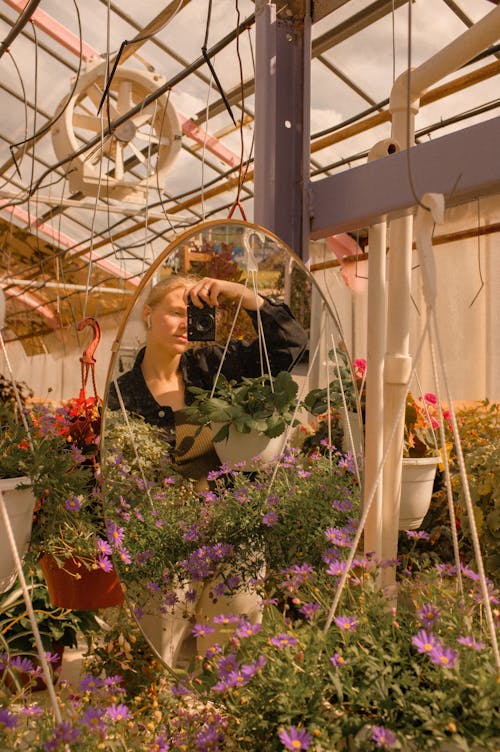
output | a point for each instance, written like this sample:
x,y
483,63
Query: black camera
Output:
x,y
201,323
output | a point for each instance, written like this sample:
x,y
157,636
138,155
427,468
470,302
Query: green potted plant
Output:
x,y
15,483
58,628
417,676
421,457
249,417
340,406
50,451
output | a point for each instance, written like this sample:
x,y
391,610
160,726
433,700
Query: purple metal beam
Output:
x,y
461,165
282,132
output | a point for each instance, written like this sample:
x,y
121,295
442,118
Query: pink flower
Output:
x,y
430,398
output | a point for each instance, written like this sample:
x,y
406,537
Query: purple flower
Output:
x,y
202,630
338,536
424,642
246,629
470,573
31,711
225,619
93,719
295,739
103,547
428,615
347,623
73,505
118,712
64,733
470,642
7,719
104,563
336,568
417,534
337,660
241,495
443,656
124,556
383,737
115,534
309,609
24,665
283,640
89,683
270,519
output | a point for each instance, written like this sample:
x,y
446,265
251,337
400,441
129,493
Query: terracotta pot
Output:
x,y
78,588
417,482
20,504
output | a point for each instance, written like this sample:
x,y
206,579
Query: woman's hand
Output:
x,y
213,291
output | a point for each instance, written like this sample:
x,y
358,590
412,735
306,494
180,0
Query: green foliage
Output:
x,y
56,625
342,683
56,476
262,404
345,385
479,429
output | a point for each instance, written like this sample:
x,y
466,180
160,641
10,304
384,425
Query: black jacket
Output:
x,y
285,342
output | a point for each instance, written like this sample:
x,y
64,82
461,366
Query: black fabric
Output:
x,y
285,342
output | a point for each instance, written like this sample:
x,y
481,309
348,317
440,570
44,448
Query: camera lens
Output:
x,y
204,322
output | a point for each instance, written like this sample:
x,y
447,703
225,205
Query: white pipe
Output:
x,y
35,285
457,53
406,91
69,203
374,406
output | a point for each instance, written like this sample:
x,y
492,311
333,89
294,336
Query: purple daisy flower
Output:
x,y
424,642
294,738
443,656
383,737
347,623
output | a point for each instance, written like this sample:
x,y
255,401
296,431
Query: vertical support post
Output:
x,y
376,346
374,408
282,129
398,361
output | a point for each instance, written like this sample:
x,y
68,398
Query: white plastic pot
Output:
x,y
20,504
243,447
417,482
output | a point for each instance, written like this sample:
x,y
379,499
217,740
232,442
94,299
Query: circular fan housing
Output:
x,y
136,155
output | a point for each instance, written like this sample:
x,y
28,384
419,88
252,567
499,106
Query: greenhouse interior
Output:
x,y
249,306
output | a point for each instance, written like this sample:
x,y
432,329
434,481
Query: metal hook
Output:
x,y
88,354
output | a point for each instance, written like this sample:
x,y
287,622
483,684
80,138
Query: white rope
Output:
x,y
29,607
371,495
132,439
469,505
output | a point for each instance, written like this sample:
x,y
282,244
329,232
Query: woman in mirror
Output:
x,y
157,388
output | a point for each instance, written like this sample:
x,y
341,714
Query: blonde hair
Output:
x,y
166,285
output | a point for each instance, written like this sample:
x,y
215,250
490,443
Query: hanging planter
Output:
x,y
417,483
20,503
243,447
248,418
75,587
353,439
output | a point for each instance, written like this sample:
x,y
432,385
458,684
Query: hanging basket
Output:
x,y
20,503
352,429
243,447
417,483
75,587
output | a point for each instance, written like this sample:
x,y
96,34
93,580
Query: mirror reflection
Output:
x,y
228,381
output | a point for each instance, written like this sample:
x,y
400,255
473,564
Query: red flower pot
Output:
x,y
75,587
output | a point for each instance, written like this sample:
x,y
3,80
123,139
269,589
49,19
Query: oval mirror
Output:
x,y
162,444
